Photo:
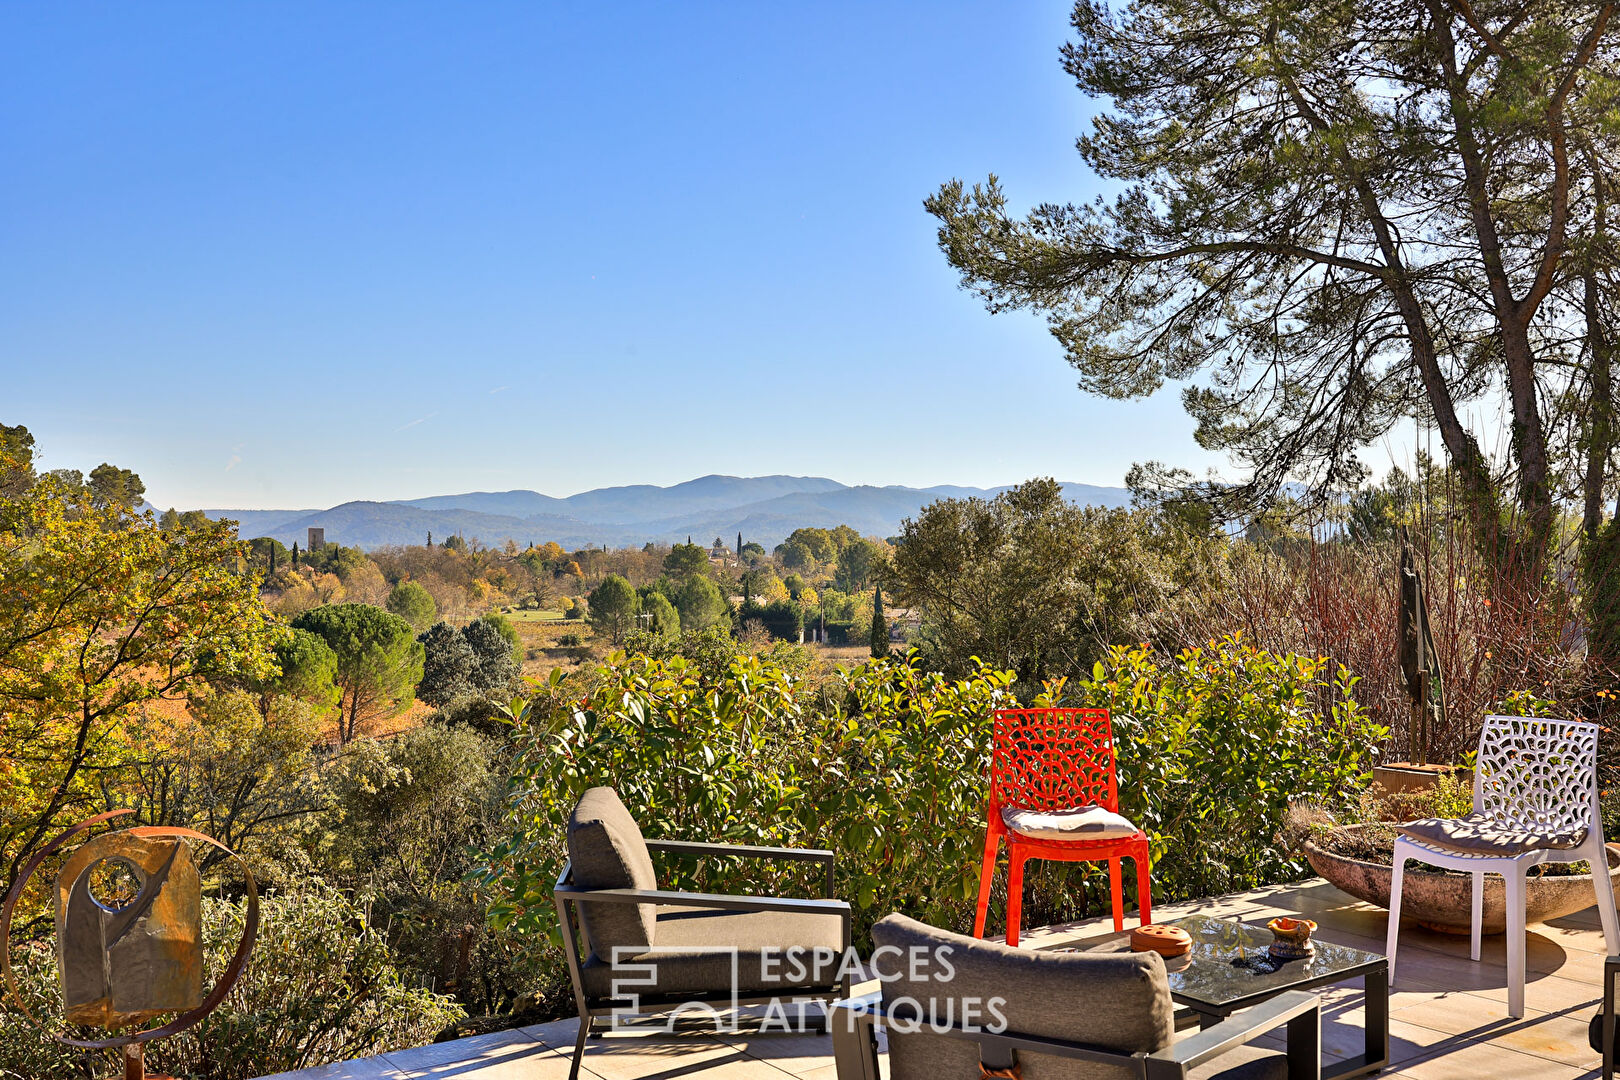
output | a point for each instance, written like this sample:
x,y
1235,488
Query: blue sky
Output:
x,y
277,255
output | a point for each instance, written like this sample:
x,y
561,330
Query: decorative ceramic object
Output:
x,y
1293,938
1167,941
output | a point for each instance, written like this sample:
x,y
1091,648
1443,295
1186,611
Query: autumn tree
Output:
x,y
1331,220
16,460
101,612
228,766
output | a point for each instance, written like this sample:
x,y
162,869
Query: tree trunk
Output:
x,y
1529,437
1600,421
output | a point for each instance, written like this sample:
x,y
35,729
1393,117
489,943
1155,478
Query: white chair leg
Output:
x,y
1605,898
1479,916
1514,880
1395,909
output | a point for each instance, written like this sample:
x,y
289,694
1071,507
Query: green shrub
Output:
x,y
1212,745
885,764
322,986
508,632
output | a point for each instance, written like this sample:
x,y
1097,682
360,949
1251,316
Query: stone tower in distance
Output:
x,y
317,539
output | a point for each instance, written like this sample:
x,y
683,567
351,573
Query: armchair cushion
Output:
x,y
1081,823
1117,1001
1478,834
606,851
1111,1001
706,951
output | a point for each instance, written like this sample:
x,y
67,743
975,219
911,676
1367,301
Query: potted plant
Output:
x,y
1354,851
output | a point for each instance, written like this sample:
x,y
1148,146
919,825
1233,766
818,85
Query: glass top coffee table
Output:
x,y
1230,968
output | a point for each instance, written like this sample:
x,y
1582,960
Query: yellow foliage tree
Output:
x,y
100,612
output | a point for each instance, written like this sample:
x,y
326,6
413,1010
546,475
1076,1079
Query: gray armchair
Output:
x,y
647,950
1063,1016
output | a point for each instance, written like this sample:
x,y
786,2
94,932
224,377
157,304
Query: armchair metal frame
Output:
x,y
568,897
854,1027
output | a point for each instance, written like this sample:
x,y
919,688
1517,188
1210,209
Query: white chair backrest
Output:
x,y
1537,775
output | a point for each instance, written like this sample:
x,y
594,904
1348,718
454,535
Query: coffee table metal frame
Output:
x,y
1374,974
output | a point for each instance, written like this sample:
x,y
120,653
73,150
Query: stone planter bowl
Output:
x,y
1444,902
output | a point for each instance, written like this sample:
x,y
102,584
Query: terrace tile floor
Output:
x,y
1448,1015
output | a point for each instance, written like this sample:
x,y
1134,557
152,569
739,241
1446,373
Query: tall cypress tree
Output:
x,y
880,626
295,554
739,545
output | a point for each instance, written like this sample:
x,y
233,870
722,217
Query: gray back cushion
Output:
x,y
1118,1001
607,851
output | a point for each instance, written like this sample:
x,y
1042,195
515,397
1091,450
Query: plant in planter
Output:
x,y
1354,852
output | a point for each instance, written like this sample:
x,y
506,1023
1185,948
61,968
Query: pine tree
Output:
x,y
880,626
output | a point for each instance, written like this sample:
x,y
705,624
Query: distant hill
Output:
x,y
763,508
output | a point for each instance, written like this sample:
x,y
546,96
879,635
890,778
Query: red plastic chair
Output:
x,y
1056,760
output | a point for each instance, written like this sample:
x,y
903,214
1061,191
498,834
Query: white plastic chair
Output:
x,y
1535,801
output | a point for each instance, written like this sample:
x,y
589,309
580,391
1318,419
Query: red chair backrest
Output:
x,y
1053,759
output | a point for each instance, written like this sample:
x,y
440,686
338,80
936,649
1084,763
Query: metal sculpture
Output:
x,y
127,960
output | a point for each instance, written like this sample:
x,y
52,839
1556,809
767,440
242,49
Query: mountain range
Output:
x,y
763,508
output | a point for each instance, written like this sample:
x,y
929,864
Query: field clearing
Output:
x,y
842,654
531,615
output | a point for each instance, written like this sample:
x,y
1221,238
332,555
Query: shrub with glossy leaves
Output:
x,y
882,763
885,764
1214,742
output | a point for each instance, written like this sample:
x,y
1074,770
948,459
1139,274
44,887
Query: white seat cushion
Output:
x,y
1081,823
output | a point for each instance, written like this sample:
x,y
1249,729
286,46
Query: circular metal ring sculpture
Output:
x,y
147,906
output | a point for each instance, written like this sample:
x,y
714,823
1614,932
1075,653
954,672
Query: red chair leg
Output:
x,y
1015,892
987,876
1144,886
1116,892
